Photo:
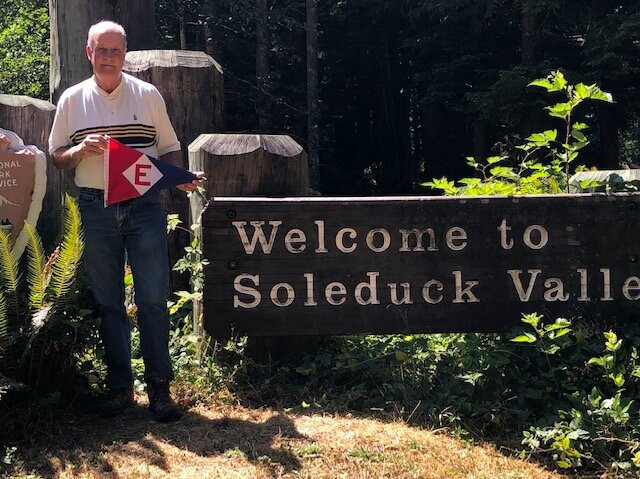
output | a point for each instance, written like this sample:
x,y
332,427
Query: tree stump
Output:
x,y
192,86
31,119
252,165
69,24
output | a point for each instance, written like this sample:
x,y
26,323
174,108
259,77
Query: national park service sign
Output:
x,y
23,180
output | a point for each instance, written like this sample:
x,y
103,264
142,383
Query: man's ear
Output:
x,y
88,51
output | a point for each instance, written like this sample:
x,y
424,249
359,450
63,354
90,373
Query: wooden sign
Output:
x,y
23,180
304,266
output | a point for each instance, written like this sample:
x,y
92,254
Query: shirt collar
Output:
x,y
114,94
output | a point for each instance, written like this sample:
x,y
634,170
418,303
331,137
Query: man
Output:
x,y
114,104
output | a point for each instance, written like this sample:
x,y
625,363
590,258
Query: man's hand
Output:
x,y
92,145
189,187
69,156
4,142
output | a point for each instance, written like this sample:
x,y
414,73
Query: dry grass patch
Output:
x,y
234,442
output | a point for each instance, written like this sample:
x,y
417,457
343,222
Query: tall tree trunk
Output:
x,y
530,53
609,116
478,124
398,93
313,126
531,33
431,132
209,40
479,140
182,23
263,47
69,23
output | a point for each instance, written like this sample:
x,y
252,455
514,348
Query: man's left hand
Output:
x,y
189,187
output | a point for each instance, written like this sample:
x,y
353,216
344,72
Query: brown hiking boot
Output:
x,y
116,401
163,408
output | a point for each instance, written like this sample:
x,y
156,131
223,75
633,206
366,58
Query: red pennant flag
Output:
x,y
128,173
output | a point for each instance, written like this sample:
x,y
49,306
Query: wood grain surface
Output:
x,y
484,261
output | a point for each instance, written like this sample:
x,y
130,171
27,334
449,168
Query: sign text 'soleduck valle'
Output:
x,y
417,264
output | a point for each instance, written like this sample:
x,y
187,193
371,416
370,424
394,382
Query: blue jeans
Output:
x,y
137,226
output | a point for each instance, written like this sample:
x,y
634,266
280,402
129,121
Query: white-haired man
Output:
x,y
114,104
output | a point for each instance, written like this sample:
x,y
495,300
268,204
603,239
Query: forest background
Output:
x,y
406,88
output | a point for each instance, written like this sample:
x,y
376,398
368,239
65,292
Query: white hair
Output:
x,y
103,27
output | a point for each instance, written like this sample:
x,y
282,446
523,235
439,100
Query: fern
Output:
x,y
9,273
69,254
4,325
36,276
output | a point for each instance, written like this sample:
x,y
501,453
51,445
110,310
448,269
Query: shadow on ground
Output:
x,y
78,437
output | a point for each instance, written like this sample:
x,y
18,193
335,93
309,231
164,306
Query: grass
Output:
x,y
231,441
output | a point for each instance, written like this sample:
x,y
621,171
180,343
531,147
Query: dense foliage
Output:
x,y
24,48
42,325
545,161
560,391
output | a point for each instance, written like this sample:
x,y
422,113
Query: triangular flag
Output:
x,y
129,173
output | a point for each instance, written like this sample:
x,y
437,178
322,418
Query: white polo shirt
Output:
x,y
134,114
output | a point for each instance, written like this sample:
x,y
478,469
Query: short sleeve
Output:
x,y
167,141
59,135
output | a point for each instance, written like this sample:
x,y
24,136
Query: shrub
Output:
x,y
39,326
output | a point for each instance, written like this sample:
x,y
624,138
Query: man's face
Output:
x,y
106,54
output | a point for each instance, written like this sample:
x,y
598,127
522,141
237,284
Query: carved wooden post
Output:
x,y
70,21
251,165
192,86
31,119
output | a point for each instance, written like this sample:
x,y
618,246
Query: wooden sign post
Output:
x,y
301,266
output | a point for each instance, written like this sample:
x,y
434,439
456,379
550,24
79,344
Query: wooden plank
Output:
x,y
482,263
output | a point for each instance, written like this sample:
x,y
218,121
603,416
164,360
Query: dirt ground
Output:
x,y
236,442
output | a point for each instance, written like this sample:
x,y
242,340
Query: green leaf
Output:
x,y
551,350
578,135
495,159
9,272
595,93
544,83
596,361
36,276
563,464
471,161
560,110
581,91
524,338
172,222
502,172
538,139
562,332
619,380
558,80
532,318
4,325
401,356
68,255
